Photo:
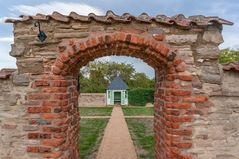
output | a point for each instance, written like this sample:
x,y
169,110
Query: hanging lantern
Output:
x,y
41,35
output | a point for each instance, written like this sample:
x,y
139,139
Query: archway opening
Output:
x,y
96,102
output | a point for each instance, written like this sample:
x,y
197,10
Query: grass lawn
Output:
x,y
95,111
138,111
91,134
141,131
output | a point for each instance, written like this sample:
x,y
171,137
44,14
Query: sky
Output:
x,y
226,9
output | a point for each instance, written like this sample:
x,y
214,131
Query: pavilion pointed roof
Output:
x,y
117,84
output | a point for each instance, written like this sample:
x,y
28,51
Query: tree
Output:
x,y
111,69
92,79
96,76
228,55
140,80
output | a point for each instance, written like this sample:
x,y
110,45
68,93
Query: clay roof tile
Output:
x,y
110,16
5,73
231,66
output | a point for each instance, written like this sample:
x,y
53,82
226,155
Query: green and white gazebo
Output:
x,y
117,92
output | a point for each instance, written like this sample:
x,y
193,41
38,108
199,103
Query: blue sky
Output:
x,y
227,9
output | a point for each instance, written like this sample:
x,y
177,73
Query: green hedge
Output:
x,y
141,96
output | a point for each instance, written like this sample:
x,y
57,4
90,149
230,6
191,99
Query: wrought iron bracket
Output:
x,y
41,35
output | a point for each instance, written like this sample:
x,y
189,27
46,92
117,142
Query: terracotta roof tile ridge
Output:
x,y
231,66
110,16
5,73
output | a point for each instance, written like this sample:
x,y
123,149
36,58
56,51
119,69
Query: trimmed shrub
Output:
x,y
141,96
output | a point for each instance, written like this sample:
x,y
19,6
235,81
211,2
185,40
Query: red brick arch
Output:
x,y
57,95
76,53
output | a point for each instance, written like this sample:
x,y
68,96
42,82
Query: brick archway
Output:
x,y
182,50
77,53
58,94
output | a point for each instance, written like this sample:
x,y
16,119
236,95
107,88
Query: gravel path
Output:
x,y
117,143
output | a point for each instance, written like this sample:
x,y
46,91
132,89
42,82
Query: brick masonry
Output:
x,y
196,102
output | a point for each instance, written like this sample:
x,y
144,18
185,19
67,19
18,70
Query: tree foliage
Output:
x,y
140,80
228,55
96,76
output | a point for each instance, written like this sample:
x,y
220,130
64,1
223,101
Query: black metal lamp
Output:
x,y
41,35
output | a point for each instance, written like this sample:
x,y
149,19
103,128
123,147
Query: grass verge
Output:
x,y
141,131
138,111
95,111
91,134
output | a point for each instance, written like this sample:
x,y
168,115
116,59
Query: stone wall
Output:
x,y
13,122
196,110
92,99
216,131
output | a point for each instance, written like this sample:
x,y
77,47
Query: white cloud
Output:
x,y
2,19
6,39
6,61
105,58
62,7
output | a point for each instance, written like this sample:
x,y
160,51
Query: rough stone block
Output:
x,y
210,73
155,30
71,35
26,37
207,51
211,78
230,86
21,79
17,50
225,156
211,89
65,31
184,52
63,26
229,126
196,83
12,98
30,65
30,128
180,39
80,27
211,69
96,28
213,35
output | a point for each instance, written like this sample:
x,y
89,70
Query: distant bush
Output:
x,y
227,55
141,96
